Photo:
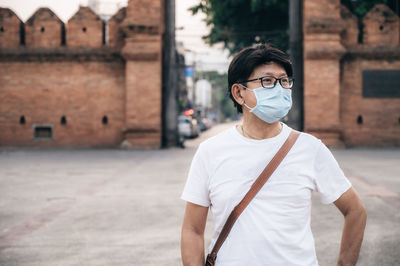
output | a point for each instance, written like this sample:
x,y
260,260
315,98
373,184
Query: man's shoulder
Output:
x,y
308,144
306,138
309,139
217,141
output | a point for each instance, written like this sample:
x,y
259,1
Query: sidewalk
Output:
x,y
120,207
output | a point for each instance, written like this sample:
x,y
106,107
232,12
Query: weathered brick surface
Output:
x,y
381,26
143,28
334,108
9,28
380,116
116,36
350,32
43,29
145,13
321,100
84,81
143,87
322,51
84,29
82,92
321,9
322,93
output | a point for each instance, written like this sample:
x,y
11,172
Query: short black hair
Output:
x,y
244,63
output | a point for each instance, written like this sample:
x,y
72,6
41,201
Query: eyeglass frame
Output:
x,y
276,80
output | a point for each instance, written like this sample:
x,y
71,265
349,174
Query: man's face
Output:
x,y
272,70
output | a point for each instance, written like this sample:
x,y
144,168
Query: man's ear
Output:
x,y
236,93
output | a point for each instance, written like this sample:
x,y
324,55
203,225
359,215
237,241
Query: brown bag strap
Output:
x,y
255,188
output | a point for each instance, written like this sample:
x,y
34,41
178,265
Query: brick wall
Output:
x,y
368,121
10,26
83,93
115,34
84,29
350,35
43,29
68,83
145,13
335,56
381,27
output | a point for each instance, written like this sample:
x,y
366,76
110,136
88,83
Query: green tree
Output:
x,y
240,23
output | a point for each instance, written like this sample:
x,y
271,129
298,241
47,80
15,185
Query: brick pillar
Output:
x,y
322,53
143,77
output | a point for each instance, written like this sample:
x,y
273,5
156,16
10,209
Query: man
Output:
x,y
274,229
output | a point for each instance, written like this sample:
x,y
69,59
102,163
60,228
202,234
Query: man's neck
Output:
x,y
255,128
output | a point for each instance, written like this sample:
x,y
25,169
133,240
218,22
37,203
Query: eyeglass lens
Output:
x,y
270,82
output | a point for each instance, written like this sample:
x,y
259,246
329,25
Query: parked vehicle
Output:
x,y
203,124
187,127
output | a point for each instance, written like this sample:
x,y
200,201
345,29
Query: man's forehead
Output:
x,y
276,73
269,69
270,73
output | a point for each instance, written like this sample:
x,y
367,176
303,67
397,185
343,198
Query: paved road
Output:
x,y
120,207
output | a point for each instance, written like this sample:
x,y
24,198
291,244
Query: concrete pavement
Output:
x,y
122,207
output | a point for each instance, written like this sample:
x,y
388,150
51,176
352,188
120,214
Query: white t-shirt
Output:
x,y
274,229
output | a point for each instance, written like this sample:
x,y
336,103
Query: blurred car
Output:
x,y
187,127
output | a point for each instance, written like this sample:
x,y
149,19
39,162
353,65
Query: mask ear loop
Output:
x,y
246,87
248,107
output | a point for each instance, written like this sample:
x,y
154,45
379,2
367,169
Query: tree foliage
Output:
x,y
240,23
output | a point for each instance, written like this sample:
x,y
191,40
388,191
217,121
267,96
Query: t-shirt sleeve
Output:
x,y
196,188
330,180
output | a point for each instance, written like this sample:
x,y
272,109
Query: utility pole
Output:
x,y
295,116
170,88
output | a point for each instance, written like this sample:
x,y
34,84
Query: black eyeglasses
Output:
x,y
270,82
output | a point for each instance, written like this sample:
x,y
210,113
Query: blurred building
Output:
x,y
203,96
64,85
181,69
351,74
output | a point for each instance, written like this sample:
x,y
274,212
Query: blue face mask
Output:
x,y
272,104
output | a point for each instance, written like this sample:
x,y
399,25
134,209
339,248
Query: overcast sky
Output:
x,y
25,8
193,27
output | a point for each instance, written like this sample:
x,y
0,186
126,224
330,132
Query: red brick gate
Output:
x,y
85,83
351,81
